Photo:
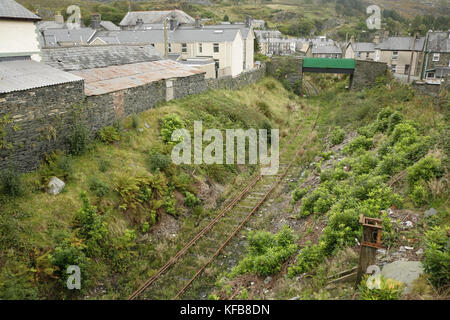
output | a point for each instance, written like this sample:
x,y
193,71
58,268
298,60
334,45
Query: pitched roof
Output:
x,y
88,57
401,44
114,78
174,36
326,50
108,25
28,74
53,37
9,9
363,46
438,42
245,31
44,25
155,17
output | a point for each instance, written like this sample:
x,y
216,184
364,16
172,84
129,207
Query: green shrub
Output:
x,y
121,252
419,194
424,170
66,255
385,289
158,161
308,259
170,205
300,193
99,187
89,226
337,136
437,255
359,143
191,200
266,252
58,165
10,183
78,139
135,121
109,134
169,124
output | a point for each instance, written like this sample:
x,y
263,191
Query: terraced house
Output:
x,y
437,56
23,42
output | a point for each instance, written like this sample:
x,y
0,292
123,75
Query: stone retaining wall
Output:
x,y
47,115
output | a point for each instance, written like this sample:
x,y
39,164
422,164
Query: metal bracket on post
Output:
x,y
370,242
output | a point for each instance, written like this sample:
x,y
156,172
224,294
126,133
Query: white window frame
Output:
x,y
216,46
436,57
394,55
394,68
184,48
200,48
169,47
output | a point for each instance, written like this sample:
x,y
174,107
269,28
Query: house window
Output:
x,y
200,48
169,47
395,55
183,47
394,68
430,74
436,57
216,47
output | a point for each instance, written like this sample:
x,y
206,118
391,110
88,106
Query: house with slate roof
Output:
x,y
359,50
23,41
437,55
397,53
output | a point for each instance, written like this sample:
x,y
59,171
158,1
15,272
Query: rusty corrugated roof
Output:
x,y
114,78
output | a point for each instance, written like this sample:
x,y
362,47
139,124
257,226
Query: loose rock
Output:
x,y
55,186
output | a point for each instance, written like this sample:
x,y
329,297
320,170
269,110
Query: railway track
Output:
x,y
202,249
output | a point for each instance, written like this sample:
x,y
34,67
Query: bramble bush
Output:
x,y
266,252
359,143
437,255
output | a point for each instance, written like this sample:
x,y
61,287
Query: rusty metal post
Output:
x,y
370,242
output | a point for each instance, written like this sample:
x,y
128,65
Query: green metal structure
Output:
x,y
328,65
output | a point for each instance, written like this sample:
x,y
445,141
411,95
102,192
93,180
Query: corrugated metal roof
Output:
x,y
28,74
110,79
155,17
12,10
89,57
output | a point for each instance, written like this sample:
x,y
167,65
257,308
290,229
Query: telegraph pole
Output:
x,y
166,46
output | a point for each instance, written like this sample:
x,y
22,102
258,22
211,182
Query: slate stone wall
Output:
x,y
47,115
44,116
366,73
288,70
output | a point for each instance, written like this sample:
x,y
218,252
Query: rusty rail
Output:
x,y
255,208
182,251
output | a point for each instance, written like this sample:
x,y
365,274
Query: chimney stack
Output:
x,y
173,22
59,19
96,18
248,21
139,23
376,40
197,23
